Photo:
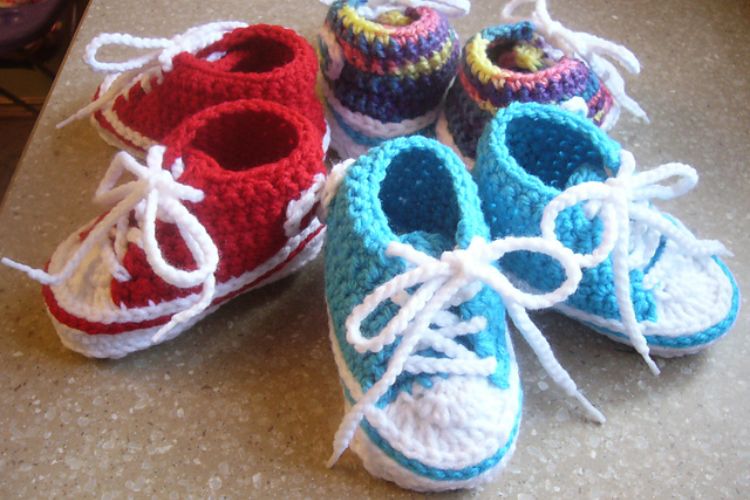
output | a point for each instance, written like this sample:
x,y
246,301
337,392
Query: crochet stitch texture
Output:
x,y
682,296
513,63
423,433
144,99
416,301
386,77
223,207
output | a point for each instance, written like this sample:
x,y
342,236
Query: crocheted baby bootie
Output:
x,y
418,329
222,207
650,282
385,69
144,98
536,60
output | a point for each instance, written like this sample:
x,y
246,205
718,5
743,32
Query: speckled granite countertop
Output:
x,y
246,404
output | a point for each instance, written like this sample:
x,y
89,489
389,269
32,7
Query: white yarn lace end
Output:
x,y
333,181
424,320
621,202
154,195
299,209
158,59
576,105
592,49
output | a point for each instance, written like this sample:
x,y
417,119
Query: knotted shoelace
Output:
x,y
585,46
153,64
424,320
154,194
632,228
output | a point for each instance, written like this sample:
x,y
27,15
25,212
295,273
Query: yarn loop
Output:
x,y
591,48
424,320
151,64
620,202
155,194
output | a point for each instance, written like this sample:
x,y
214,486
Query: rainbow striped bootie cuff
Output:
x,y
534,59
386,77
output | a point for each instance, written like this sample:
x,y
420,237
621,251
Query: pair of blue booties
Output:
x,y
424,259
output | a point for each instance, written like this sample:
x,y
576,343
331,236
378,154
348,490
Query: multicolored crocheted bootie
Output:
x,y
418,329
144,98
385,71
650,282
536,60
222,207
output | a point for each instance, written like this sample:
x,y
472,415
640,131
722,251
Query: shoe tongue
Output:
x,y
430,243
586,173
645,246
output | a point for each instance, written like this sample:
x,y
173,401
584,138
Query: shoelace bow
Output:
x,y
371,9
425,321
154,63
590,48
154,194
623,200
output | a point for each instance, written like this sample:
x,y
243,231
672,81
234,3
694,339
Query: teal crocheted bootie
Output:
x,y
648,282
417,309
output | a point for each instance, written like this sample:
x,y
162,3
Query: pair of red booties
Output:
x,y
234,140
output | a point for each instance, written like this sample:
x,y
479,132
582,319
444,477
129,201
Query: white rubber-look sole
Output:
x,y
662,352
380,465
340,141
346,147
655,350
118,345
113,140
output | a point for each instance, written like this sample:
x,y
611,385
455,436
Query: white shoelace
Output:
x,y
622,203
143,68
371,9
590,48
333,181
424,320
155,194
299,209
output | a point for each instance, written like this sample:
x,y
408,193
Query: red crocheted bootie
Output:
x,y
144,98
226,204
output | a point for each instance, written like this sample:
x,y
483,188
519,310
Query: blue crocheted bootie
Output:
x,y
649,282
417,321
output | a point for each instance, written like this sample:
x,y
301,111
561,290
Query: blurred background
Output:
x,y
34,36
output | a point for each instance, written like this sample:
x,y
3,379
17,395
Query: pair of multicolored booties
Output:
x,y
424,259
234,140
390,72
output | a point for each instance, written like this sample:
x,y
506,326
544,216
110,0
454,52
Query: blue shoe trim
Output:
x,y
514,199
359,232
418,468
414,190
552,144
691,341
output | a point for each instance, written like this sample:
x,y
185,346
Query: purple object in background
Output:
x,y
25,23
